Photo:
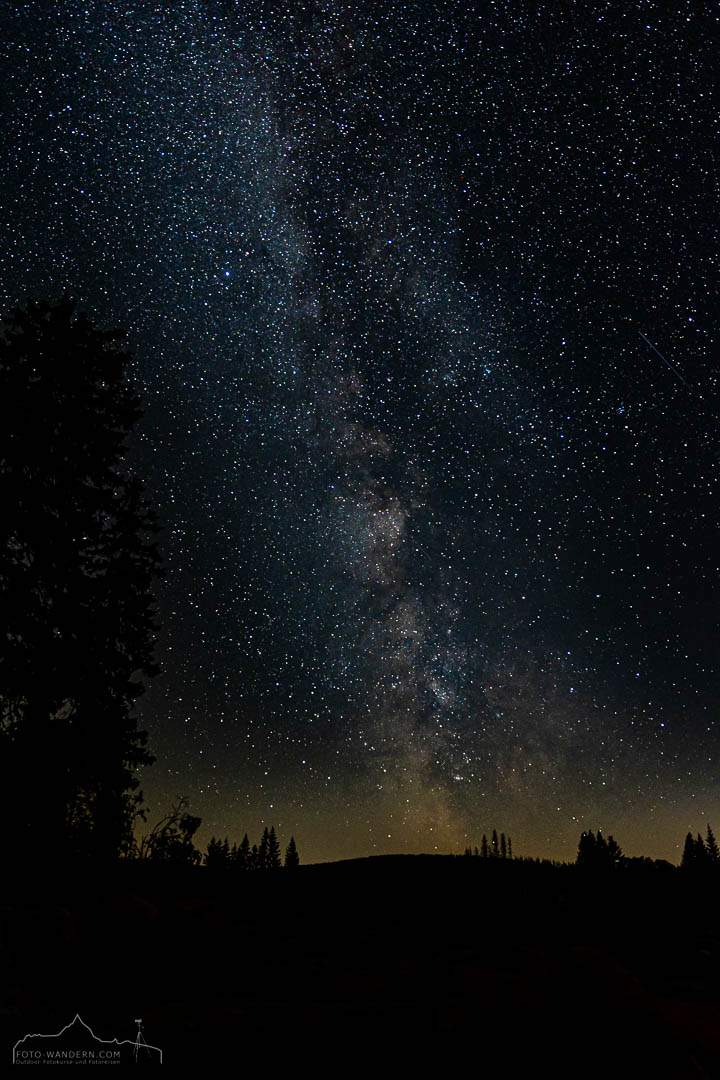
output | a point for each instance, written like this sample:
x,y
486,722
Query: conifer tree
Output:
x,y
292,859
711,847
77,563
701,852
587,849
212,855
243,854
274,861
695,854
614,852
495,844
262,856
509,848
484,847
503,846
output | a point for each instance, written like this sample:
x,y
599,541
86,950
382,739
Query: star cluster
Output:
x,y
423,302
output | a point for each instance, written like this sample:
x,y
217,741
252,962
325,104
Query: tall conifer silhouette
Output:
x,y
262,855
274,861
77,563
292,859
243,854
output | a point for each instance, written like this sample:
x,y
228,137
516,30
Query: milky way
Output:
x,y
440,526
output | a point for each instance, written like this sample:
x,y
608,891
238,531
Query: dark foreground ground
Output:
x,y
533,966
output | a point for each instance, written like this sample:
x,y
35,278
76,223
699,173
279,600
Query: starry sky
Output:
x,y
422,300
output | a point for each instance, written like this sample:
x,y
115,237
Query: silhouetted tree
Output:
x,y
601,851
688,856
292,859
218,854
701,852
274,860
212,855
262,856
614,853
586,849
711,847
597,853
484,848
171,840
495,845
77,563
509,848
503,846
254,860
243,854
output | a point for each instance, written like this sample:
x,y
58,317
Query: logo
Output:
x,y
77,1044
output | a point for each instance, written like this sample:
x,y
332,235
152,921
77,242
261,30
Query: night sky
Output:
x,y
422,299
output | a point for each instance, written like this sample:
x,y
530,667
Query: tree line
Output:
x,y
263,856
699,854
171,841
597,853
498,848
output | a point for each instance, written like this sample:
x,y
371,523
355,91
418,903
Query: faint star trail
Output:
x,y
665,360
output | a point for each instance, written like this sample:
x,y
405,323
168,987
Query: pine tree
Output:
x,y
218,853
292,859
711,847
262,856
495,845
254,860
77,563
509,845
701,852
597,853
503,846
243,854
587,848
614,853
212,855
688,856
274,861
696,855
484,847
